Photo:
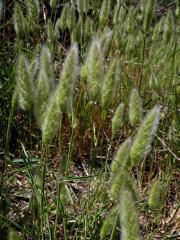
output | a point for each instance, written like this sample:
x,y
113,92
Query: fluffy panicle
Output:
x,y
25,88
154,196
88,29
94,70
51,121
80,7
117,120
106,40
142,142
135,108
33,11
73,36
128,217
103,17
109,85
148,15
33,68
79,30
120,180
121,16
168,27
116,13
45,83
51,36
63,18
86,6
19,21
66,84
71,18
110,222
130,20
83,73
122,156
158,29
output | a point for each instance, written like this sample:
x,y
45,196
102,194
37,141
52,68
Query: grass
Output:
x,y
73,96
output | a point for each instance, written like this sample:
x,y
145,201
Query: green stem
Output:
x,y
43,167
59,171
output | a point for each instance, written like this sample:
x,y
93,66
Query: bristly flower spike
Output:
x,y
19,21
108,85
128,217
135,108
94,64
142,142
148,15
117,120
45,83
65,88
154,196
122,156
25,87
104,13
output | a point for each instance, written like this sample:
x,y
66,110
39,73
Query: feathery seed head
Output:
x,y
19,21
25,86
158,29
86,6
66,84
130,20
128,217
51,36
154,196
106,40
168,27
122,156
121,16
63,18
79,30
135,108
33,68
45,83
51,120
80,7
117,120
122,179
46,64
104,13
109,222
109,85
94,64
83,73
71,17
88,29
116,13
148,15
33,11
142,142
